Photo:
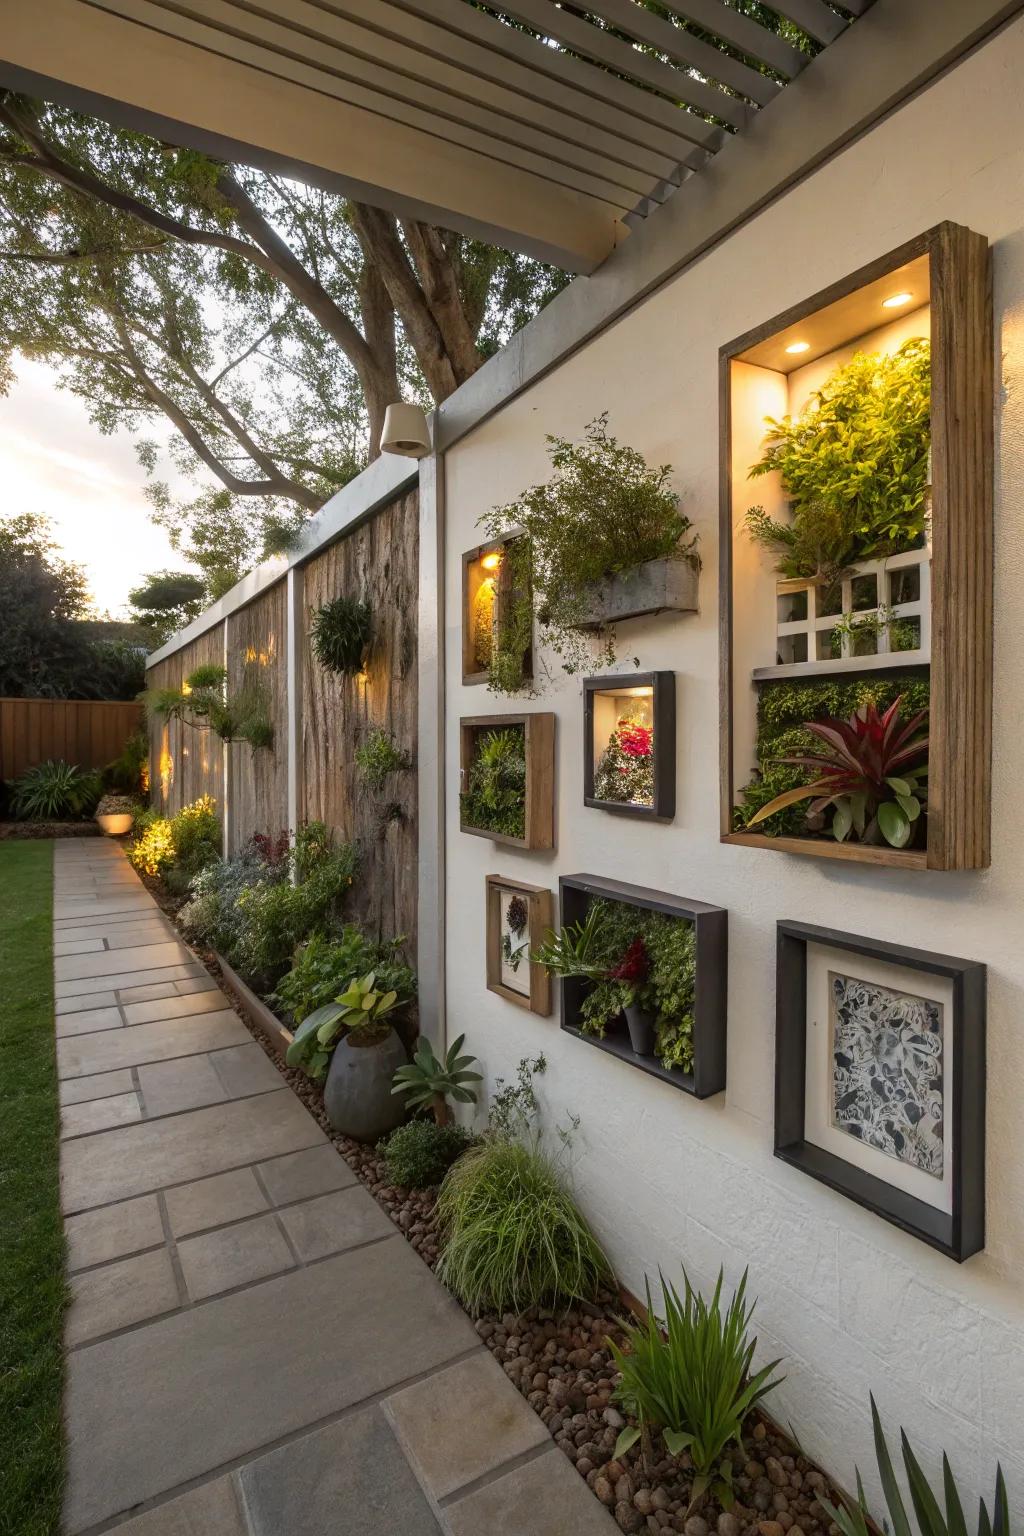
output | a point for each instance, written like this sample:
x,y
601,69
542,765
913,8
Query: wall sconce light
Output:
x,y
405,432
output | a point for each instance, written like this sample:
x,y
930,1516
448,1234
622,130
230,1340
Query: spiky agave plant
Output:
x,y
428,1080
869,768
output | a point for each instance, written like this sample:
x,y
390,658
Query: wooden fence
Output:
x,y
89,732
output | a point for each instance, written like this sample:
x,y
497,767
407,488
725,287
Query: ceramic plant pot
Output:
x,y
641,1029
116,824
357,1094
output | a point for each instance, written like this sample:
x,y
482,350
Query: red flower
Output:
x,y
633,966
634,739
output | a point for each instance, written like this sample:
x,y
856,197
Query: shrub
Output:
x,y
55,791
340,632
495,795
177,847
418,1155
212,914
153,847
378,756
323,964
514,1237
129,771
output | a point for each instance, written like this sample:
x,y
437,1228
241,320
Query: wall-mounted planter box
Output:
x,y
710,924
486,595
519,918
653,587
943,282
629,744
538,737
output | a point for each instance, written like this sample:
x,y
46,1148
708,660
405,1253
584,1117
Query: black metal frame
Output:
x,y
711,925
958,1233
663,708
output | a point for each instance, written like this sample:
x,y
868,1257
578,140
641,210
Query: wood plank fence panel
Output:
x,y
257,660
185,761
89,732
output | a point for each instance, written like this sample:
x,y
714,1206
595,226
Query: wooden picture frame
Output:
x,y
876,1179
662,690
710,1015
473,574
540,906
539,739
953,265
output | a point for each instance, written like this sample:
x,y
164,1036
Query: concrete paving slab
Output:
x,y
65,1005
231,1256
133,935
119,1294
79,1090
349,1478
214,1201
104,1050
88,906
302,1174
151,990
111,922
175,1007
201,983
187,1083
99,1115
88,1021
331,1223
83,984
210,1510
544,1496
245,1370
138,1158
77,947
245,1069
483,1425
96,1237
145,957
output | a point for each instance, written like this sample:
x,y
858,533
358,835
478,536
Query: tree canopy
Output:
x,y
165,601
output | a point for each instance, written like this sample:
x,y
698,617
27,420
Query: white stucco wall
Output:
x,y
853,1304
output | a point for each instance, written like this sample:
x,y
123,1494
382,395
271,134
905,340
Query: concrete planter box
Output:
x,y
654,587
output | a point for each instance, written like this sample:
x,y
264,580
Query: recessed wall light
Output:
x,y
491,562
799,346
897,300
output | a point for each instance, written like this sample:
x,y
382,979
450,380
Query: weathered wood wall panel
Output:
x,y
378,561
89,732
184,761
257,661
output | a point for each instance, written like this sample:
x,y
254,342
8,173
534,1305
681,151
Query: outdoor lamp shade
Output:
x,y
405,432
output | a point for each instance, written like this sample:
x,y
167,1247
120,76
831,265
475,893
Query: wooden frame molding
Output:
x,y
539,734
663,716
958,268
541,906
960,1232
710,1014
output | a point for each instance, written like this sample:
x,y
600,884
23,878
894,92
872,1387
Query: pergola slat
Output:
x,y
743,32
813,16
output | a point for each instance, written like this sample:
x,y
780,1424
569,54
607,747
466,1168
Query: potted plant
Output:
x,y
115,815
632,971
361,1065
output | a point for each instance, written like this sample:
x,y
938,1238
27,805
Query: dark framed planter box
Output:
x,y
539,737
946,270
711,932
477,566
876,1177
540,906
661,688
656,586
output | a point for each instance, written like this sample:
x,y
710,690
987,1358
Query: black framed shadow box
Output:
x,y
880,1079
629,744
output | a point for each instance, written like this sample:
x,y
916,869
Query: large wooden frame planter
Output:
x,y
481,565
710,923
656,586
539,737
948,269
540,909
660,689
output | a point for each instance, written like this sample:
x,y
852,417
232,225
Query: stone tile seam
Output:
x,y
161,1060
274,1209
230,1468
171,1244
171,1114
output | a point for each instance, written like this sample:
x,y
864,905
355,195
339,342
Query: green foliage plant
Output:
x,y
419,1154
362,1010
691,1379
604,511
427,1081
514,1107
203,704
902,635
510,644
322,964
341,631
129,769
854,466
378,756
853,1518
55,791
494,799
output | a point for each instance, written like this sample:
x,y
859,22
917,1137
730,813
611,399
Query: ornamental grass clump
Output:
x,y
55,791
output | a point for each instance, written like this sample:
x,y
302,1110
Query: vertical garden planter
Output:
x,y
537,732
656,586
629,744
487,596
518,919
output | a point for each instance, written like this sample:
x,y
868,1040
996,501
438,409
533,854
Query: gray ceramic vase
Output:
x,y
357,1094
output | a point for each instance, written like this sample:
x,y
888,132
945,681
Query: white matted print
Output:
x,y
515,941
879,1059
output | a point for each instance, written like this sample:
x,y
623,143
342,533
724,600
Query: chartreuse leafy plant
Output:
x,y
691,1381
604,510
361,1010
853,1518
428,1080
854,465
341,631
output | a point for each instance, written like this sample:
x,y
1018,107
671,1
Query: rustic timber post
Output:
x,y
430,751
225,762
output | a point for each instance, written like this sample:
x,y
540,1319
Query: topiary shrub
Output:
x,y
340,632
418,1155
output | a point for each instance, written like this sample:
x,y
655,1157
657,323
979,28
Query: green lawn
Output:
x,y
33,1290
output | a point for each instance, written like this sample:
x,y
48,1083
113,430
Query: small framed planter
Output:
x,y
510,758
653,587
710,926
880,1079
519,917
488,598
629,744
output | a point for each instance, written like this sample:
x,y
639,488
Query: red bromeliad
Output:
x,y
634,965
868,768
635,739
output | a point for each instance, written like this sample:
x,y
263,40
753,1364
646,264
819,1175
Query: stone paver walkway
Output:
x,y
254,1350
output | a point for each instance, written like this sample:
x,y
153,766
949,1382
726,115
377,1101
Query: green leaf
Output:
x,y
910,805
627,1437
842,821
890,1487
677,1440
899,786
894,824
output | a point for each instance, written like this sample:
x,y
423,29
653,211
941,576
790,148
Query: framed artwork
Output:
x,y
629,744
518,919
880,1079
